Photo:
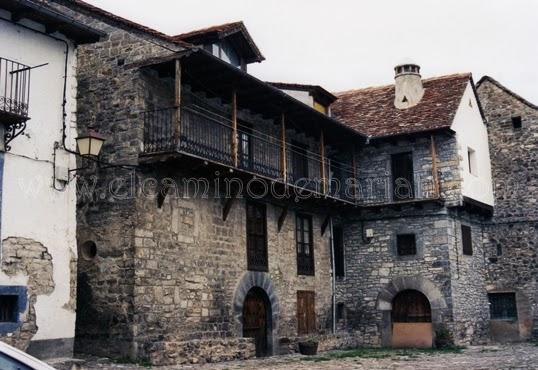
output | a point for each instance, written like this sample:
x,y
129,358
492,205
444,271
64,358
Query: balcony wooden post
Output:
x,y
435,174
177,102
235,143
283,159
322,163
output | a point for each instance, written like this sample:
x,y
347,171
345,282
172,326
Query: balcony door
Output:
x,y
299,161
403,184
245,146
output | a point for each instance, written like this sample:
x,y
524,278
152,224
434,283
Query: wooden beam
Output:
x,y
354,172
323,171
235,144
283,159
435,174
282,217
177,102
325,224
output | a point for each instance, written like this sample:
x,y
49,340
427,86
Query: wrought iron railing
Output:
x,y
14,89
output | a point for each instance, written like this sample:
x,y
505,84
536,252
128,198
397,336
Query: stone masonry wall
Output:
x,y
512,237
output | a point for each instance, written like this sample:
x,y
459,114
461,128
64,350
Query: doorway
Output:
x,y
257,320
411,320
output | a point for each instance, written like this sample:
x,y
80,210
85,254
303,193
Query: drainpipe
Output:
x,y
333,277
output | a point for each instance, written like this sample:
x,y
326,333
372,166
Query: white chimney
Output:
x,y
408,85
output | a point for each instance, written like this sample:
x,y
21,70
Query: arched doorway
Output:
x,y
257,320
411,320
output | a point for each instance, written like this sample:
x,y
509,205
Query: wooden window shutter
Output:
x,y
306,312
467,240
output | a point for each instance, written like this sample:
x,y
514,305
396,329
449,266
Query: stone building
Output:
x,y
414,252
512,234
38,128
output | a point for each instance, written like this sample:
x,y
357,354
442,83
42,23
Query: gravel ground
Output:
x,y
517,356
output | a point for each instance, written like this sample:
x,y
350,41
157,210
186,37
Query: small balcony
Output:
x,y
14,92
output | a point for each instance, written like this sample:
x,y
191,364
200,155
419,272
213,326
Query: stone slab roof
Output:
x,y
371,110
507,90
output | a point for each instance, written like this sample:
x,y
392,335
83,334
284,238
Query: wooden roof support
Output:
x,y
354,172
283,158
282,217
325,224
235,144
177,102
228,204
435,174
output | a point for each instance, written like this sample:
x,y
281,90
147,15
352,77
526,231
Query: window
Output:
x,y
340,311
305,245
8,308
9,363
245,146
299,161
338,243
306,312
256,237
502,306
471,157
402,176
466,240
499,250
516,122
406,245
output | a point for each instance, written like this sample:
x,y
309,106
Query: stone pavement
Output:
x,y
517,356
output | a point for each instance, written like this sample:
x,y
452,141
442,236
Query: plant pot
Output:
x,y
308,348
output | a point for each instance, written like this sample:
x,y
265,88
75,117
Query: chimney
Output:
x,y
408,85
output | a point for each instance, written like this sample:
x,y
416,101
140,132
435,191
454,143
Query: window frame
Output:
x,y
472,161
304,254
501,317
256,237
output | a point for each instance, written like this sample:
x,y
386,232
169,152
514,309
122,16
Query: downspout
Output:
x,y
333,277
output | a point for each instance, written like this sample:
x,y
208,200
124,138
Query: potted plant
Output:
x,y
309,346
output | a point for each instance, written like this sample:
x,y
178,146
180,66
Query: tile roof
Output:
x,y
371,111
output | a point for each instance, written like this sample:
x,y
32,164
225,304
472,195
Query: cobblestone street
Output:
x,y
520,356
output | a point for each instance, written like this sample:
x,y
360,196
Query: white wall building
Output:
x,y
38,219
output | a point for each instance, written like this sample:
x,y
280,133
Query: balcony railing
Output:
x,y
14,91
208,135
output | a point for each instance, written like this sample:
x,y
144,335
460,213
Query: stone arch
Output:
x,y
401,283
261,280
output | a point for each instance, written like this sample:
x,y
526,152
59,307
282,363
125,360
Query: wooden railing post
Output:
x,y
283,159
322,163
435,175
235,146
177,103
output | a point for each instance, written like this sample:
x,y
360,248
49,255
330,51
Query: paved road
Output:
x,y
520,356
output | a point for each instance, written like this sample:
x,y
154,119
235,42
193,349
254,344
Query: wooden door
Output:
x,y
306,312
255,320
411,320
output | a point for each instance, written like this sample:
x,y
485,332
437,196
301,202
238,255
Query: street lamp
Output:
x,y
89,145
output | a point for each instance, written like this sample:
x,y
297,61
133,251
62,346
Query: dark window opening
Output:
x,y
499,250
256,237
245,146
406,244
306,312
402,176
502,306
516,122
467,240
8,308
340,311
305,245
299,161
339,262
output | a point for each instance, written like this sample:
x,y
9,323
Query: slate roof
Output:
x,y
507,90
215,33
371,111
